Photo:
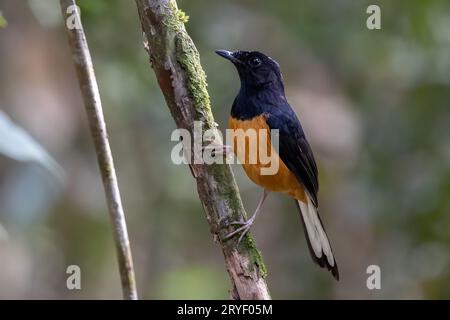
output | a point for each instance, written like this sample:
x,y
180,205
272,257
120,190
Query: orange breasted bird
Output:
x,y
261,104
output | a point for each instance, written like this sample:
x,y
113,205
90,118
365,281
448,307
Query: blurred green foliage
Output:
x,y
3,22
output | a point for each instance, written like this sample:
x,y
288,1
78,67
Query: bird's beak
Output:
x,y
228,55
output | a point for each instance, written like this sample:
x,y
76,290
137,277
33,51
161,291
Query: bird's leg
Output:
x,y
216,152
218,149
245,225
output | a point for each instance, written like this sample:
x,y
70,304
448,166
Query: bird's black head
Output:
x,y
255,69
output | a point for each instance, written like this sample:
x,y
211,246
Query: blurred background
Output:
x,y
374,104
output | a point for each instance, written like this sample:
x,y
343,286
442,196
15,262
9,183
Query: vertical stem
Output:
x,y
91,97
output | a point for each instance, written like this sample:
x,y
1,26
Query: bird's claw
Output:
x,y
245,227
241,223
218,149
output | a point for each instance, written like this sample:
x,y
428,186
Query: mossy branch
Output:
x,y
176,63
91,97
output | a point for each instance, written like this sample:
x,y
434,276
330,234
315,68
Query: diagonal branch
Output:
x,y
182,80
91,96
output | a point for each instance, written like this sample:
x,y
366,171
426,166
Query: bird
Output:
x,y
261,104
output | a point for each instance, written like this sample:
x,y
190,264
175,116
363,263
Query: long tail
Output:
x,y
316,237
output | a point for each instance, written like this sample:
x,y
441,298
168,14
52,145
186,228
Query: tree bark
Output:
x,y
91,97
176,63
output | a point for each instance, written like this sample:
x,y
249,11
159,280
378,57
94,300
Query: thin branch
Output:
x,y
182,80
91,96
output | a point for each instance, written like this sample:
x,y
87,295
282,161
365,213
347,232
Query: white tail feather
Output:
x,y
315,232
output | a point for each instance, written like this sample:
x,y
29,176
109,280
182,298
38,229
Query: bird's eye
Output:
x,y
254,62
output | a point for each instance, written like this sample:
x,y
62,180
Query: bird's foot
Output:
x,y
218,149
245,227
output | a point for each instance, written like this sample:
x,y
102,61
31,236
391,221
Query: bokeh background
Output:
x,y
374,104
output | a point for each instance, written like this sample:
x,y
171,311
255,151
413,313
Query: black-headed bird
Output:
x,y
261,104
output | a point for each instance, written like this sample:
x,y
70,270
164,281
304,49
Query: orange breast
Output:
x,y
250,141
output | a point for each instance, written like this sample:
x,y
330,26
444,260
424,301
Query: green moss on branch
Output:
x,y
189,59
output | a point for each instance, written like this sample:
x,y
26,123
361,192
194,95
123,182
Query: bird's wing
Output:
x,y
294,149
